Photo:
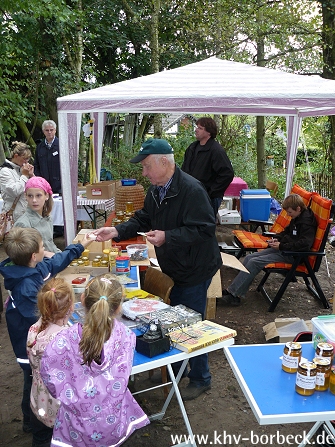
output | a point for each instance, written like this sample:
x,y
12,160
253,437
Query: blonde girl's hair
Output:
x,y
102,297
54,301
21,149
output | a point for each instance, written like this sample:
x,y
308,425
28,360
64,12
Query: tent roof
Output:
x,y
211,86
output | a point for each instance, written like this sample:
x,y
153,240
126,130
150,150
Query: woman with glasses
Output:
x,y
14,174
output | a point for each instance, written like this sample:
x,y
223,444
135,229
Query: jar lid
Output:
x,y
293,345
323,361
106,251
123,258
325,346
307,365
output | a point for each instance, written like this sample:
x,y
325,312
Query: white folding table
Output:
x,y
142,363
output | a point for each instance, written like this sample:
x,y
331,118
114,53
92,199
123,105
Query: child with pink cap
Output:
x,y
38,213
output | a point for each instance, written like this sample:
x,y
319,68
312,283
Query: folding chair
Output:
x,y
272,187
252,241
305,264
158,283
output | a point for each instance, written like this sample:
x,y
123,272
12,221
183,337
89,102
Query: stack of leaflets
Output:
x,y
172,318
199,335
136,307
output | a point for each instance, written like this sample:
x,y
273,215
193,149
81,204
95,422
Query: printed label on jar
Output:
x,y
305,382
290,362
320,379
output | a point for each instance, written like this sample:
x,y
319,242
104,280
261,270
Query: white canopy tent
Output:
x,y
211,86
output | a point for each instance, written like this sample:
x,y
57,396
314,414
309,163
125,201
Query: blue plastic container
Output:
x,y
128,182
255,204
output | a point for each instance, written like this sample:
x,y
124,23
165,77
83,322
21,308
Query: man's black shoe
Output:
x,y
230,300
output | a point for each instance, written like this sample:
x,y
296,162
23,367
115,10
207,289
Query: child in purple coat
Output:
x,y
87,367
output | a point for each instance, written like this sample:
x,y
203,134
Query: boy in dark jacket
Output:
x,y
25,271
297,236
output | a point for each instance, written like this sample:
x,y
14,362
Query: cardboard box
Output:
x,y
324,330
229,217
283,330
95,247
102,190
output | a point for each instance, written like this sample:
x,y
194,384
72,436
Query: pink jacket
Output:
x,y
96,407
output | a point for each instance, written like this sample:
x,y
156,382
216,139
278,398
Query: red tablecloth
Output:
x,y
235,188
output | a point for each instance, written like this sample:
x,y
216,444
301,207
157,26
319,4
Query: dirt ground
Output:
x,y
222,413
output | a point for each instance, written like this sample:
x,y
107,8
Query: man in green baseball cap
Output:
x,y
178,220
152,146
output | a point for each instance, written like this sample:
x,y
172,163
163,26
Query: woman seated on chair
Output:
x,y
299,235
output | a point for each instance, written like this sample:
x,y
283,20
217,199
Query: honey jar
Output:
x,y
306,378
85,253
85,260
322,373
129,207
291,357
325,350
332,380
80,262
104,263
96,262
105,254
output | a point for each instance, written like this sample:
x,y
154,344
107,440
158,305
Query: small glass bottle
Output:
x,y
306,378
291,357
322,373
325,350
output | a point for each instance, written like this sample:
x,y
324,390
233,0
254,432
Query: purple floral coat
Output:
x,y
96,407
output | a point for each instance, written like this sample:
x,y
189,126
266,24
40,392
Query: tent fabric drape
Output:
x,y
226,88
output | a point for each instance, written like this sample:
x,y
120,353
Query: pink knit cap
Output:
x,y
38,182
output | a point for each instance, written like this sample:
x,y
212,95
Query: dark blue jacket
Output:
x,y
47,165
24,284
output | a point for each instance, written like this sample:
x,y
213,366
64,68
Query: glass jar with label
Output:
x,y
325,350
291,357
306,378
332,380
322,373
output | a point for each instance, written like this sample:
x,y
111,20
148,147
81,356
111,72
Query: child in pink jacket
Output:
x,y
55,304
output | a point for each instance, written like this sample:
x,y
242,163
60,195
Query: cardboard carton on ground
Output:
x,y
294,326
102,190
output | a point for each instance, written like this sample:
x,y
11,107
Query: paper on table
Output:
x,y
154,261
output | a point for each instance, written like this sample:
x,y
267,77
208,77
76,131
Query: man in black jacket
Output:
x,y
178,220
207,161
47,157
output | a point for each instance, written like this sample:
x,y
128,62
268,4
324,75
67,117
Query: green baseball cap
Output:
x,y
152,146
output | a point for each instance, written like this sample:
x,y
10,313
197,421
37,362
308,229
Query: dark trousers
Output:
x,y
195,298
42,434
25,403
